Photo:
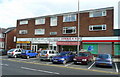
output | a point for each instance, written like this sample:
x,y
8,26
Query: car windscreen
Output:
x,y
11,50
83,54
23,51
103,56
43,52
63,54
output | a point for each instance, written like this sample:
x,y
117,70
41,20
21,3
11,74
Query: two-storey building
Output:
x,y
60,32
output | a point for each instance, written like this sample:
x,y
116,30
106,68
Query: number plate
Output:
x,y
102,64
78,62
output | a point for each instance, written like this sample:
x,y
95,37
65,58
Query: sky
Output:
x,y
12,10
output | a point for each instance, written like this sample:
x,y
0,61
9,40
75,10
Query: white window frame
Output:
x,y
1,35
53,21
91,27
23,31
1,44
39,30
68,18
22,22
53,33
39,21
65,29
91,14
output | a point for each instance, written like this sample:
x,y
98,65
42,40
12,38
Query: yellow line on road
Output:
x,y
64,67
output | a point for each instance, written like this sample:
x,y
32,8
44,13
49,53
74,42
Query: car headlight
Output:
x,y
62,59
84,59
74,59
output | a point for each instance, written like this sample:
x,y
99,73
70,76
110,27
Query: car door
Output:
x,y
29,53
33,53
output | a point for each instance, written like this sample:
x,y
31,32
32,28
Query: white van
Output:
x,y
48,54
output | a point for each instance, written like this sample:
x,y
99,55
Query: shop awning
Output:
x,y
67,43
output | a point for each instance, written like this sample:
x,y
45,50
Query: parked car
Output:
x,y
28,53
83,58
104,60
48,54
14,52
63,57
3,52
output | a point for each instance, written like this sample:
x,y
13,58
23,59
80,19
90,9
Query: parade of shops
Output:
x,y
59,32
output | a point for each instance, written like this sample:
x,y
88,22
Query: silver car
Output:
x,y
48,54
14,52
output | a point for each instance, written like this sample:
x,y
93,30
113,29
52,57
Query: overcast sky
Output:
x,y
11,10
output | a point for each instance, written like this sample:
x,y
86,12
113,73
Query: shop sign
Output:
x,y
23,42
67,43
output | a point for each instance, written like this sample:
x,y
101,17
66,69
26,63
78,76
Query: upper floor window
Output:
x,y
53,33
1,35
39,21
23,31
69,30
69,18
39,31
97,27
53,21
23,22
97,13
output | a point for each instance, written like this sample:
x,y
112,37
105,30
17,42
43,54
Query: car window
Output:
x,y
83,54
11,50
23,51
43,52
33,51
29,51
103,56
19,50
53,52
50,52
16,51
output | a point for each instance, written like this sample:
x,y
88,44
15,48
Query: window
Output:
x,y
97,27
53,52
1,44
53,33
69,30
69,18
1,35
23,22
97,13
53,21
23,32
39,21
39,31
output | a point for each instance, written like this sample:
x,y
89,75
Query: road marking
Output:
x,y
69,64
39,70
63,66
116,67
91,65
4,64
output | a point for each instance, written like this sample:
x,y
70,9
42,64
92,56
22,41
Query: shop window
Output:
x,y
97,13
39,31
97,27
39,21
53,21
23,31
69,30
69,18
22,22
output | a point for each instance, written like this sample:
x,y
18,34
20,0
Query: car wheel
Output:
x,y
41,59
15,56
64,62
28,57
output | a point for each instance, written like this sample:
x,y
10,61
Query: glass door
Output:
x,y
34,48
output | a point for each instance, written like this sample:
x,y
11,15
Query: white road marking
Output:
x,y
39,70
91,65
49,63
4,64
68,64
116,67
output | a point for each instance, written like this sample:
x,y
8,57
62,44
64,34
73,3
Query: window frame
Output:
x,y
23,22
53,22
39,21
91,14
68,18
53,33
102,29
64,30
25,31
39,33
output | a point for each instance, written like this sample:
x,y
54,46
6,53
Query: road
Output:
x,y
12,66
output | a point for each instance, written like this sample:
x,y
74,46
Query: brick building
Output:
x,y
59,32
2,38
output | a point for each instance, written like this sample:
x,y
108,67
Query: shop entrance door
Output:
x,y
34,48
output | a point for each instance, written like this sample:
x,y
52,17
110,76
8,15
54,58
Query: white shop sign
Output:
x,y
49,39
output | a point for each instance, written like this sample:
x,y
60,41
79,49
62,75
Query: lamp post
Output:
x,y
78,46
